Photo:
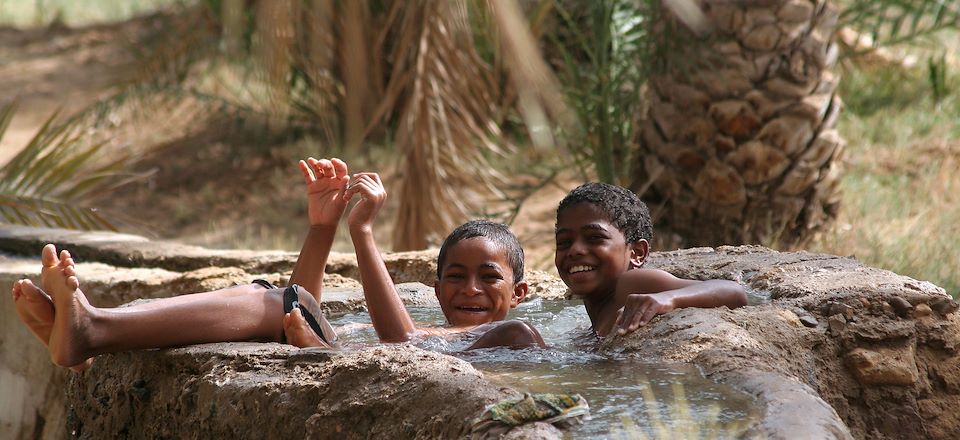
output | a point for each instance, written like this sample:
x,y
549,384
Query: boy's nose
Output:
x,y
578,248
472,288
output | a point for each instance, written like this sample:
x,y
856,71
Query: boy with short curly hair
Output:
x,y
603,235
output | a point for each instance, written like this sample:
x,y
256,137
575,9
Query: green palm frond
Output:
x,y
891,22
606,62
49,182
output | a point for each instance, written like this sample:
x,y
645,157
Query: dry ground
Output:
x,y
221,184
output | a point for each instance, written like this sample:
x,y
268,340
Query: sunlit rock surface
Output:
x,y
879,348
830,349
273,391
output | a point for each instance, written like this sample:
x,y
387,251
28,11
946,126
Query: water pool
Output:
x,y
628,398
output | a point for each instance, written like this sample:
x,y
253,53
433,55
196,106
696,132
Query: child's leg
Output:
x,y
36,311
513,334
79,331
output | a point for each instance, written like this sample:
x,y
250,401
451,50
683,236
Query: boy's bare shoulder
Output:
x,y
650,281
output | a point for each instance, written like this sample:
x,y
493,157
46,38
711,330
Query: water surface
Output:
x,y
628,398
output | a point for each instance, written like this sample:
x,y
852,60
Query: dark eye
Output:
x,y
453,276
596,238
563,243
492,277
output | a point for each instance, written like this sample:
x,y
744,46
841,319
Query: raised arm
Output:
x,y
326,181
651,292
389,316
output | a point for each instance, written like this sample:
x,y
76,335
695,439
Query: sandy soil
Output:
x,y
210,182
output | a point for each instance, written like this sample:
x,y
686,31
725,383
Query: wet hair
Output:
x,y
498,233
623,209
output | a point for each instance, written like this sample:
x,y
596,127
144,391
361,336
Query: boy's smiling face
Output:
x,y
591,252
476,283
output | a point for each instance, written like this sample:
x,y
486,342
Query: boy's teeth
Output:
x,y
576,269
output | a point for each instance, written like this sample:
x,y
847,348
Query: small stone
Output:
x,y
887,308
836,324
883,366
944,306
789,317
901,306
834,308
921,310
809,321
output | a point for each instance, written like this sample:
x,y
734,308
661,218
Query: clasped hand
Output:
x,y
330,188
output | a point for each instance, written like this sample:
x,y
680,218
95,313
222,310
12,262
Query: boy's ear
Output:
x,y
639,250
519,293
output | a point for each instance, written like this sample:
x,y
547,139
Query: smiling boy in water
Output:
x,y
603,237
479,279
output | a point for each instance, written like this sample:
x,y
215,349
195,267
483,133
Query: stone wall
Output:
x,y
881,349
840,350
273,391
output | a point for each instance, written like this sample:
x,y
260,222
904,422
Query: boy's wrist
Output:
x,y
319,227
361,229
668,300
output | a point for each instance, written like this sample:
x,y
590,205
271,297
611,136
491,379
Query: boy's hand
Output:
x,y
372,196
326,180
640,309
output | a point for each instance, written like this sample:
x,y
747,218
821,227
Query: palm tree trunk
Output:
x,y
739,145
273,48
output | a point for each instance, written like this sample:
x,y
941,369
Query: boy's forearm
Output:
x,y
708,294
312,261
387,312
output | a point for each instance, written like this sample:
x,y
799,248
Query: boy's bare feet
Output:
x,y
299,333
36,311
69,336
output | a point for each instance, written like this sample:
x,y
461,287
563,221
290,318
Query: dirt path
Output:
x,y
192,194
60,68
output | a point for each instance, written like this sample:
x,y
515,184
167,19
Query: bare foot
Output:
x,y
52,264
36,311
69,336
299,333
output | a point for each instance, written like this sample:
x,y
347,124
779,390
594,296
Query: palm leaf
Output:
x,y
891,22
441,94
49,182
